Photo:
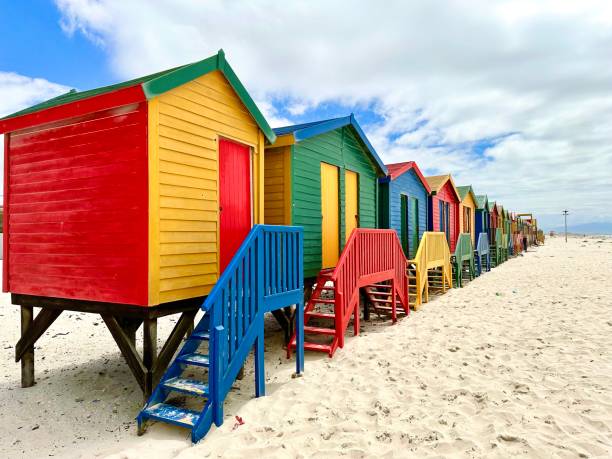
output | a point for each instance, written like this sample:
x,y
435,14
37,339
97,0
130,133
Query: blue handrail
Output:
x,y
266,273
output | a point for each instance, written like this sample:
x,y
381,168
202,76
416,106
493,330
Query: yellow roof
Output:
x,y
436,182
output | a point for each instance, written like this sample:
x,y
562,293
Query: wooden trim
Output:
x,y
124,96
5,216
40,324
284,140
287,184
153,160
115,309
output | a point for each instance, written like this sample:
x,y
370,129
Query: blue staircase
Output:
x,y
482,254
265,274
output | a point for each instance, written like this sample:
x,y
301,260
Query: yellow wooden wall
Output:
x,y
277,188
469,202
185,125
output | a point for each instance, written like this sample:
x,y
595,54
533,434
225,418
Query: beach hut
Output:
x,y
467,212
443,208
403,195
483,214
483,221
130,201
323,176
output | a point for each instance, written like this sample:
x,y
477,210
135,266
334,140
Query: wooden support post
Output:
x,y
260,373
127,349
299,338
27,358
149,353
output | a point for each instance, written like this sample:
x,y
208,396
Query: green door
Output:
x,y
404,222
413,214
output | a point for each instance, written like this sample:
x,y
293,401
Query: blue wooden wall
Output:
x,y
482,221
410,185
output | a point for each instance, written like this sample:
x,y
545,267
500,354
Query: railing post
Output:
x,y
299,321
219,344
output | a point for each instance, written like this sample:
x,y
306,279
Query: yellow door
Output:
x,y
330,221
351,206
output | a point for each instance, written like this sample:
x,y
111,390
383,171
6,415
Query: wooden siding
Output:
x,y
482,221
277,186
77,208
409,185
446,194
191,119
340,148
468,201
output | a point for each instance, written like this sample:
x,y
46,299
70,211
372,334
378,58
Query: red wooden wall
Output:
x,y
447,194
76,206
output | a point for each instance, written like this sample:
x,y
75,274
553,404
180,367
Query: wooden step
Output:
x,y
379,286
320,315
322,301
317,347
203,335
173,414
187,386
319,330
196,359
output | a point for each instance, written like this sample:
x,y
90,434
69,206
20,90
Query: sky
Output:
x,y
512,97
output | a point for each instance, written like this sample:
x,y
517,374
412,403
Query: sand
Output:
x,y
517,363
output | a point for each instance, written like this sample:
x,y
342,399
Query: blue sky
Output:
x,y
509,96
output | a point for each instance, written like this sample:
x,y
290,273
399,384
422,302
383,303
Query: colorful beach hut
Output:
x,y
443,208
130,201
467,212
483,214
402,197
323,176
482,248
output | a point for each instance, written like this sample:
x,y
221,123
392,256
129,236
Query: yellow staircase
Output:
x,y
430,270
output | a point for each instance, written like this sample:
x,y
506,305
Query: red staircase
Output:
x,y
372,259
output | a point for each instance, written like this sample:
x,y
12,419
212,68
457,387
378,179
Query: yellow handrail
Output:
x,y
433,252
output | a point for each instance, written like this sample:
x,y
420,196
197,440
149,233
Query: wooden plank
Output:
x,y
34,329
127,349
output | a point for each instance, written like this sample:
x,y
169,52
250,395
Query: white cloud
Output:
x,y
18,92
441,75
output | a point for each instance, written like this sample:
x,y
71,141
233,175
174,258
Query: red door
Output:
x,y
234,197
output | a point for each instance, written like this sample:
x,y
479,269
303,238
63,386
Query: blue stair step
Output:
x,y
172,414
199,360
187,386
203,335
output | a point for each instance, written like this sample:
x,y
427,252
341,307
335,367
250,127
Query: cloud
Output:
x,y
444,79
18,92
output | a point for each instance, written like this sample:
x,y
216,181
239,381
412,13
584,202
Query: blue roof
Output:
x,y
307,130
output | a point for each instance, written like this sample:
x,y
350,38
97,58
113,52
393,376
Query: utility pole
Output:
x,y
565,214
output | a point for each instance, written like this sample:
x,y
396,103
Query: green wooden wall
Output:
x,y
341,148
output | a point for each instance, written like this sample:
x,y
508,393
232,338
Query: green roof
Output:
x,y
482,201
158,83
464,190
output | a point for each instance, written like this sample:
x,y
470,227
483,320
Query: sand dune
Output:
x,y
517,363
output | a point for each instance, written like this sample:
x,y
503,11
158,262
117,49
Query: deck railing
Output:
x,y
482,252
369,256
464,252
433,252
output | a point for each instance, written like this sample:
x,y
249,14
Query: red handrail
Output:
x,y
370,256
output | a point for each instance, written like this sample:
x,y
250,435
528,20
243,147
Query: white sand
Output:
x,y
518,363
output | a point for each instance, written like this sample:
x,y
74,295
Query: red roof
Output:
x,y
397,169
